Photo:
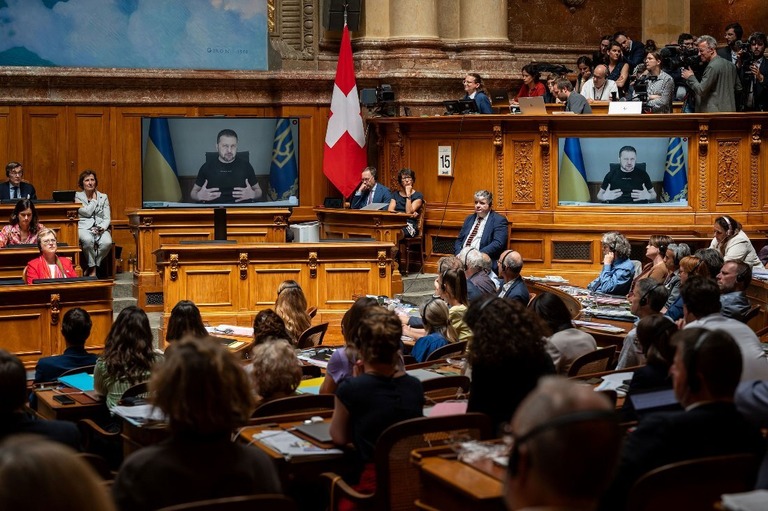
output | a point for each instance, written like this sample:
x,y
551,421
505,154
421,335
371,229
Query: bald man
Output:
x,y
561,420
599,88
510,266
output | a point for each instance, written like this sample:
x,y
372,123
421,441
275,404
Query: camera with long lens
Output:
x,y
745,55
676,57
640,87
380,101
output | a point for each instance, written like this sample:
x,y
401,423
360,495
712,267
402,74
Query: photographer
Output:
x,y
660,87
753,72
676,57
717,89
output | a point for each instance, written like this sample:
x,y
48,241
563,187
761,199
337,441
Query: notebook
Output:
x,y
532,106
79,381
320,431
376,206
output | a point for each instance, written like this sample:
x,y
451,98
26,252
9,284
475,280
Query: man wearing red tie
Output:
x,y
484,230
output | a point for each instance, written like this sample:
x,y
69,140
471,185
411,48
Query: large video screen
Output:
x,y
198,162
640,171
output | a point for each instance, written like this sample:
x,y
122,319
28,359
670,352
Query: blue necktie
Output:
x,y
16,193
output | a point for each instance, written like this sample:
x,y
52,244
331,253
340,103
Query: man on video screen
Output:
x,y
228,178
627,183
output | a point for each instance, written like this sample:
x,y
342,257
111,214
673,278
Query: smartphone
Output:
x,y
63,399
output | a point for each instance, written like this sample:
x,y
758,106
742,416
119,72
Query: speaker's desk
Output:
x,y
62,217
31,315
230,283
152,228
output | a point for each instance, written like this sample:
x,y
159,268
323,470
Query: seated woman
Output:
x,y
452,287
291,306
473,86
661,89
507,357
689,265
268,326
618,271
128,356
408,201
655,251
48,265
585,66
381,396
23,227
566,343
675,254
185,320
275,369
342,363
95,218
532,84
204,394
733,243
439,329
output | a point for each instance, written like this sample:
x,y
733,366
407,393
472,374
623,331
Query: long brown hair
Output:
x,y
128,353
291,305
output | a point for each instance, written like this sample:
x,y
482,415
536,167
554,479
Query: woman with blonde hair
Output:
x,y
452,287
439,329
689,266
291,305
276,370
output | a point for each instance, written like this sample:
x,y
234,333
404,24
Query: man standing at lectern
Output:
x,y
369,191
484,230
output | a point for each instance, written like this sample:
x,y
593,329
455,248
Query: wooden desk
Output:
x,y
152,228
62,217
84,407
230,283
30,316
14,260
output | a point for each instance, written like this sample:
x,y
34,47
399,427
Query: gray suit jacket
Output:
x,y
93,213
716,92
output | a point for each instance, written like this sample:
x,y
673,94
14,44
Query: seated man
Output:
x,y
15,188
479,283
514,288
634,51
705,373
574,102
626,184
13,397
75,327
701,309
618,271
370,191
733,280
226,179
561,420
598,88
484,230
648,297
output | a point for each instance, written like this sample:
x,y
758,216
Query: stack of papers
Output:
x,y
288,444
240,331
140,415
599,326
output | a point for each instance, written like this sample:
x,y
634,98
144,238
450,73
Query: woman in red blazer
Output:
x,y
48,265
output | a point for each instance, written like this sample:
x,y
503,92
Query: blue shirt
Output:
x,y
427,345
614,279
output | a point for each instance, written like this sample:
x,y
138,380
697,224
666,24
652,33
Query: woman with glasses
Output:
x,y
661,87
48,265
23,226
473,86
409,201
15,187
95,218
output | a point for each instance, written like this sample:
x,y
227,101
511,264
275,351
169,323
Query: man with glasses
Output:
x,y
719,85
15,188
598,88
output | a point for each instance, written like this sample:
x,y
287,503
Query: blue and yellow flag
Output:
x,y
573,173
284,171
675,187
160,178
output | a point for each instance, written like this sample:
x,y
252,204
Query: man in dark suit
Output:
x,y
479,283
13,417
705,372
733,33
76,328
370,191
510,266
634,51
15,188
755,89
484,230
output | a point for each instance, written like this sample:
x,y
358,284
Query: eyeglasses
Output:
x,y
16,173
48,242
468,82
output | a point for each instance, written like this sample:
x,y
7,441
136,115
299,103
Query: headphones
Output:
x,y
644,298
426,306
556,423
504,259
288,286
466,256
696,266
742,275
691,362
728,223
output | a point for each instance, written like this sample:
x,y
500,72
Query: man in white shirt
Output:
x,y
598,88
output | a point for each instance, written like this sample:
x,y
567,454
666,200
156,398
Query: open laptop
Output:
x,y
499,98
625,107
63,196
532,106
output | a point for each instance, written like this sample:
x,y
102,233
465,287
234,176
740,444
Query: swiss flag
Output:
x,y
344,157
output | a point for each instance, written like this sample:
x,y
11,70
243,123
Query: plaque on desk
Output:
x,y
64,280
376,206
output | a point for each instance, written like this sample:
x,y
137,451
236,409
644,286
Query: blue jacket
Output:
x,y
50,368
26,190
518,291
614,279
483,103
380,194
494,239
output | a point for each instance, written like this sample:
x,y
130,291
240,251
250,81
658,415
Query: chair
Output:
x,y
98,464
531,298
312,336
312,312
443,388
594,362
453,348
751,314
409,360
416,241
295,404
693,484
397,479
134,393
267,502
78,370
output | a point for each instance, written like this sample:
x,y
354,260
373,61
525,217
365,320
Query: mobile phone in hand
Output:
x,y
63,399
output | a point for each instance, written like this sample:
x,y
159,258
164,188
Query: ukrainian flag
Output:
x,y
284,171
573,173
675,188
160,178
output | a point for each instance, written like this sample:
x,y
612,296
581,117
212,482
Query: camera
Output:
x,y
640,87
676,57
381,101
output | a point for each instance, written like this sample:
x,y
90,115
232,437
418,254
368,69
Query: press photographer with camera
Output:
x,y
659,86
753,72
676,57
717,89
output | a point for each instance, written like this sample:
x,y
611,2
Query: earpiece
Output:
x,y
288,286
466,256
729,231
504,265
742,275
644,298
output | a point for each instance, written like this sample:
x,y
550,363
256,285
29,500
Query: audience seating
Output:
x,y
443,388
295,404
98,464
312,312
693,484
269,502
78,370
397,478
751,314
594,362
453,348
416,241
312,336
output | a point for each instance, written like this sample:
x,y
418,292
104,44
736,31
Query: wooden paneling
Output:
x,y
89,148
45,149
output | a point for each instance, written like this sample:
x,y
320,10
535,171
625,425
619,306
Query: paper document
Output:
x,y
288,444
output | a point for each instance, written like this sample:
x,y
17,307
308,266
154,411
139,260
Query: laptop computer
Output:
x,y
625,107
499,98
63,196
532,106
